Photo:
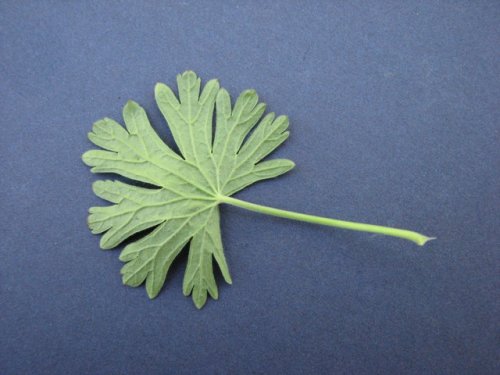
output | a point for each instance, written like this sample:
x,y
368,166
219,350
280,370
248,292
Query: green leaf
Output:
x,y
199,278
181,207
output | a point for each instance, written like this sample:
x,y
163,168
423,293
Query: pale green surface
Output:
x,y
184,206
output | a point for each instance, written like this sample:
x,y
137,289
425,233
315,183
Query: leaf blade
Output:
x,y
262,171
182,206
150,258
199,277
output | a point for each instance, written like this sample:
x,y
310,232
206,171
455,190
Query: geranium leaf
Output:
x,y
182,206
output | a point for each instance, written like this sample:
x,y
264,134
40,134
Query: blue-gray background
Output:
x,y
394,109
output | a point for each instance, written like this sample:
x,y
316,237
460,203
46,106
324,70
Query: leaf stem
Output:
x,y
415,237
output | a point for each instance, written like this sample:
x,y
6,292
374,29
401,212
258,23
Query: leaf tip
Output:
x,y
189,74
104,244
151,293
222,92
199,303
186,287
159,86
130,105
250,94
282,119
86,158
214,81
97,186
